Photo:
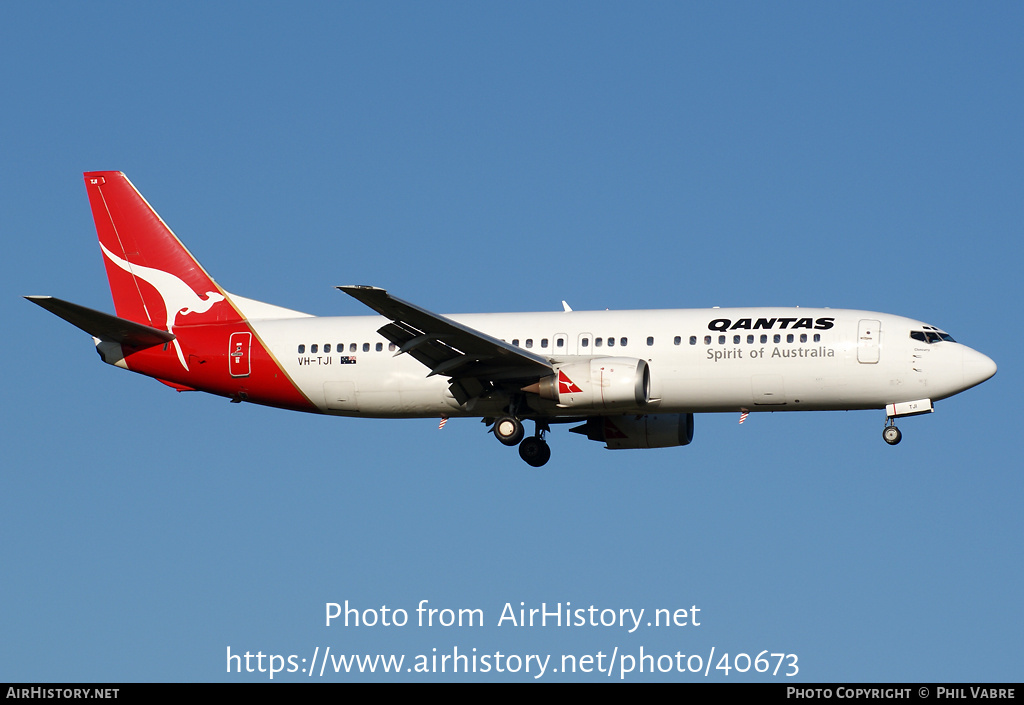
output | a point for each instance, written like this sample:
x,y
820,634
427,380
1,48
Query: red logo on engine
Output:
x,y
566,385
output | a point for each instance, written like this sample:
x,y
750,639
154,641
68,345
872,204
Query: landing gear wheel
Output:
x,y
535,451
891,435
508,430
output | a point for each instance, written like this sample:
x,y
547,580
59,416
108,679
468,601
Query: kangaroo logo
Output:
x,y
178,297
566,385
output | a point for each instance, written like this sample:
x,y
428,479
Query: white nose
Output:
x,y
977,367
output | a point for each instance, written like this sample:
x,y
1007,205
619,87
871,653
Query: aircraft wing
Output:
x,y
449,348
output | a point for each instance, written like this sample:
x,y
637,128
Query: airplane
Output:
x,y
629,379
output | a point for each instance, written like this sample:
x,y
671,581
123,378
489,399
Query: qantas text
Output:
x,y
723,324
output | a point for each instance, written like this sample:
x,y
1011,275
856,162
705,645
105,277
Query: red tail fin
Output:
x,y
154,280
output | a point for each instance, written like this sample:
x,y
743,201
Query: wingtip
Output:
x,y
358,287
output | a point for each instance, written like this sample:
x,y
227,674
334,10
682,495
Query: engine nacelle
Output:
x,y
645,431
598,383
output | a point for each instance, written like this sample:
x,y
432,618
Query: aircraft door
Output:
x,y
768,390
560,344
583,344
238,354
867,341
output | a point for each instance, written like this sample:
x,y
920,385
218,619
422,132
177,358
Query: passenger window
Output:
x,y
707,340
611,342
585,342
313,348
817,337
764,338
327,347
302,349
529,342
366,347
777,338
735,340
543,342
677,340
392,347
353,347
380,347
803,337
622,341
789,338
515,341
721,340
693,340
750,339
650,340
598,342
559,342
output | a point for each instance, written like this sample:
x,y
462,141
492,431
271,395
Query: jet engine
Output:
x,y
598,383
639,431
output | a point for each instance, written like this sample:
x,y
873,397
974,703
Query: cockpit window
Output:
x,y
932,335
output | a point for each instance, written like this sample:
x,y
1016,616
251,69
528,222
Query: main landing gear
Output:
x,y
509,430
891,434
533,449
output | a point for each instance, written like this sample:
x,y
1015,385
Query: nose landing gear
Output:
x,y
891,434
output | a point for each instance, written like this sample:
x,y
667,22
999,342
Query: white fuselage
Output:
x,y
700,360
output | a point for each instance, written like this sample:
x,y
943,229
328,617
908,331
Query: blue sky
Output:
x,y
502,157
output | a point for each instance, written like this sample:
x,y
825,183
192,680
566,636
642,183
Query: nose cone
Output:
x,y
977,367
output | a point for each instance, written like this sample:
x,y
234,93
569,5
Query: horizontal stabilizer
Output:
x,y
103,325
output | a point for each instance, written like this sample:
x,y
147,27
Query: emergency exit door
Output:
x,y
238,354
